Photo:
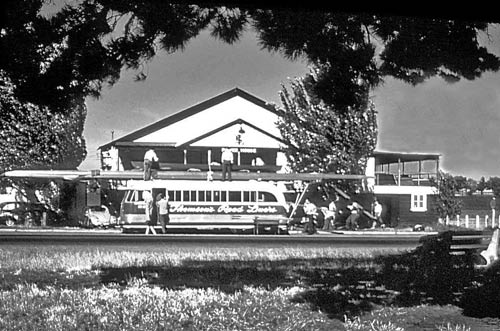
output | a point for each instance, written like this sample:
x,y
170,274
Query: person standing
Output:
x,y
377,213
330,215
352,221
163,212
149,157
311,212
150,220
227,161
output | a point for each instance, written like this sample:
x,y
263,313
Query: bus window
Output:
x,y
177,196
157,191
267,197
246,196
193,196
171,195
234,196
216,195
253,196
185,196
201,196
223,196
208,196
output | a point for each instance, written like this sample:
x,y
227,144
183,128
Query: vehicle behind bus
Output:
x,y
209,205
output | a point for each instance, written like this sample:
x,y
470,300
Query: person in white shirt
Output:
x,y
227,161
163,211
330,215
377,212
150,221
149,158
311,212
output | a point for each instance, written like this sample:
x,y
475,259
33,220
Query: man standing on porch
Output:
x,y
149,158
227,161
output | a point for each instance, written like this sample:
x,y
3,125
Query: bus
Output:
x,y
209,205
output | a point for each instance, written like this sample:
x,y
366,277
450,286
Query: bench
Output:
x,y
482,244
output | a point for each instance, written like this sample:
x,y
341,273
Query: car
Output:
x,y
98,216
14,213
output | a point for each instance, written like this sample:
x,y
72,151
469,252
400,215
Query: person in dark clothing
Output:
x,y
352,221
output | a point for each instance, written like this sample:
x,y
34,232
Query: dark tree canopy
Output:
x,y
33,137
54,57
56,53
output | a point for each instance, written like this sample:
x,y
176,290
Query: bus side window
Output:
x,y
193,195
234,196
253,196
223,196
185,196
216,196
177,196
246,196
266,197
209,196
170,195
201,196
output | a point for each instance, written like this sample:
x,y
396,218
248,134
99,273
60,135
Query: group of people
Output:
x,y
162,214
331,213
151,163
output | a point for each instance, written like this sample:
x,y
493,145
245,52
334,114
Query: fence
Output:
x,y
473,221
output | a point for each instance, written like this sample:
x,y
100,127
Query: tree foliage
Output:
x,y
448,204
319,137
55,56
34,137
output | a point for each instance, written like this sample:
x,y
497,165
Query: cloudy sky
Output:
x,y
461,121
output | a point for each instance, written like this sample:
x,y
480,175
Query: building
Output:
x,y
194,137
192,140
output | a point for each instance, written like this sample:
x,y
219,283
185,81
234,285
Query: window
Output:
x,y
235,196
266,197
201,196
135,196
418,202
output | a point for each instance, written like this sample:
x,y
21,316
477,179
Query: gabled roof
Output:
x,y
190,112
238,121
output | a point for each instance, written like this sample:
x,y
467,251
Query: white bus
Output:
x,y
236,205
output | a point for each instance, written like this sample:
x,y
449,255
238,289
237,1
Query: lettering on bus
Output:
x,y
223,209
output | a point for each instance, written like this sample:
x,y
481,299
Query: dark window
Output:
x,y
235,196
177,196
208,196
185,196
267,197
171,196
216,195
201,195
223,196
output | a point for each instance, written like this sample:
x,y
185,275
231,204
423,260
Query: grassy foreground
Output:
x,y
257,288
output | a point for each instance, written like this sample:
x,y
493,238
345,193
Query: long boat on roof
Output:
x,y
181,175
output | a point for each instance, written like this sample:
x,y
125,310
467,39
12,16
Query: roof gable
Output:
x,y
157,132
252,137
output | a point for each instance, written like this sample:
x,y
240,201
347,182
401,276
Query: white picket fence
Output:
x,y
473,222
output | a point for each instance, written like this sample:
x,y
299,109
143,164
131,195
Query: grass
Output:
x,y
258,288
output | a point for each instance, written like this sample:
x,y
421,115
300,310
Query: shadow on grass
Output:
x,y
338,286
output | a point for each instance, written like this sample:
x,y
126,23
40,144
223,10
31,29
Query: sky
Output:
x,y
460,121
